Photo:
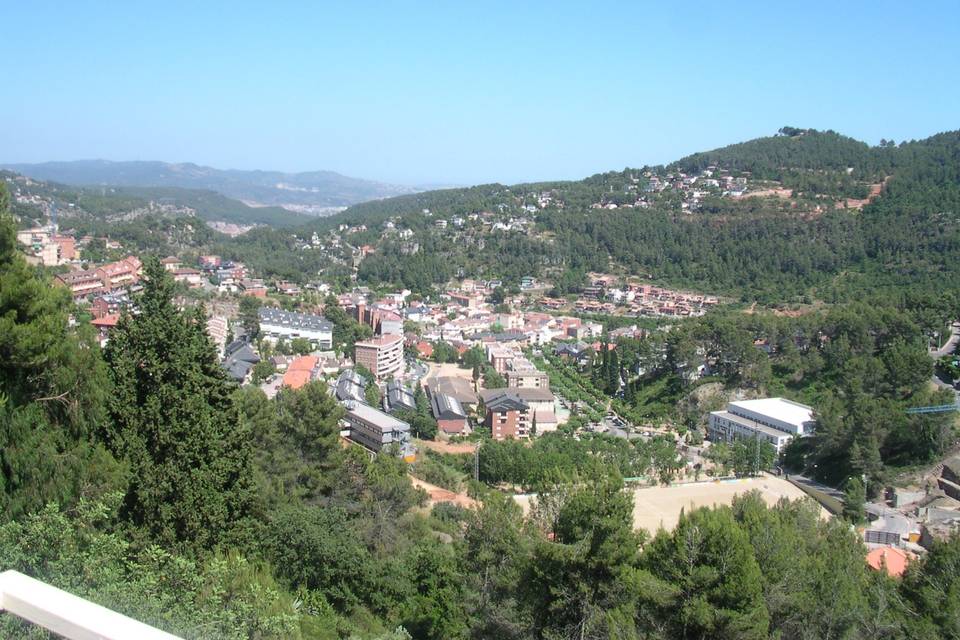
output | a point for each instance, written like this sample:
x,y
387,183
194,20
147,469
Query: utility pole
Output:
x,y
476,462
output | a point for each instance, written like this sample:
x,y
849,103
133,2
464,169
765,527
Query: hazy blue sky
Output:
x,y
463,92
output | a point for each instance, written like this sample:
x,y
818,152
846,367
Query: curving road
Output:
x,y
946,349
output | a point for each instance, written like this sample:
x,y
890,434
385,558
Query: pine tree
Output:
x,y
53,391
854,505
174,422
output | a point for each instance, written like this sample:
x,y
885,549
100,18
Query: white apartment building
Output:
x,y
276,324
775,420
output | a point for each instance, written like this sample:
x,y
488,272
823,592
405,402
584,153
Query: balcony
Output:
x,y
66,614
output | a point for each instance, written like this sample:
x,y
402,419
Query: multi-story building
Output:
x,y
276,324
508,417
774,420
82,283
109,277
122,273
524,375
382,355
218,328
500,357
377,430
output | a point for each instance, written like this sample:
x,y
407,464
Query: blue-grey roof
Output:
x,y
351,386
271,315
507,402
446,407
239,359
399,397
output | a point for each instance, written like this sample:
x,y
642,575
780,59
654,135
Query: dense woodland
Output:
x,y
756,249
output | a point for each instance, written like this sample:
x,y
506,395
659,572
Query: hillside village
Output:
x,y
469,359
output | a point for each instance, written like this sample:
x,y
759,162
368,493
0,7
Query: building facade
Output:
x,y
508,417
382,355
276,324
377,430
774,420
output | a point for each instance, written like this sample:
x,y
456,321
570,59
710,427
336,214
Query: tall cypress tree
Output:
x,y
175,423
613,373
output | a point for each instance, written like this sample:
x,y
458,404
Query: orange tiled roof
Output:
x,y
893,560
296,379
305,363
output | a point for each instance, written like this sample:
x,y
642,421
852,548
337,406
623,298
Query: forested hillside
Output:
x,y
274,188
812,216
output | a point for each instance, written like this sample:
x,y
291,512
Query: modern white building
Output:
x,y
775,420
276,324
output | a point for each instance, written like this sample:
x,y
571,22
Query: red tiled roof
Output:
x,y
893,560
304,363
106,321
296,378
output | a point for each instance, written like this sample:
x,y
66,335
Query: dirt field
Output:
x,y
447,447
655,507
439,494
446,369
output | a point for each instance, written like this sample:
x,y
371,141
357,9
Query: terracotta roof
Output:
x,y
305,363
296,378
106,321
893,560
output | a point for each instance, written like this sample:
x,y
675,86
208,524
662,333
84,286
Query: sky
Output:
x,y
431,93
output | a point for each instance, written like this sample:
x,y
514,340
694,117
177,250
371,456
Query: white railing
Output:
x,y
68,615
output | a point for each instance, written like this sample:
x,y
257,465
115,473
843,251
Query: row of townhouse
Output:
x,y
108,278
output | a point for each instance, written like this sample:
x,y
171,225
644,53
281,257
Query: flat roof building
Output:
x,y
277,323
774,420
377,430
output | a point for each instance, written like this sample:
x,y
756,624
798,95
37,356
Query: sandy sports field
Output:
x,y
655,507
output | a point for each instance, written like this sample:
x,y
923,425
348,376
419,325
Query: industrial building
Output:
x,y
774,420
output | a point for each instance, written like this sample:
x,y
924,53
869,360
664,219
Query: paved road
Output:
x,y
950,344
946,349
810,482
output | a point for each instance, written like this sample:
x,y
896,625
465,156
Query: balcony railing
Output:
x,y
66,614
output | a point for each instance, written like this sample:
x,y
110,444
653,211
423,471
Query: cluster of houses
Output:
x,y
86,284
604,296
642,189
48,247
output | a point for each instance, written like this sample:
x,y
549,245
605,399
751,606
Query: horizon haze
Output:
x,y
459,95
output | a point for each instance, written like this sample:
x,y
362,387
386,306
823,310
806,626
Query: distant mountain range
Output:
x,y
308,192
